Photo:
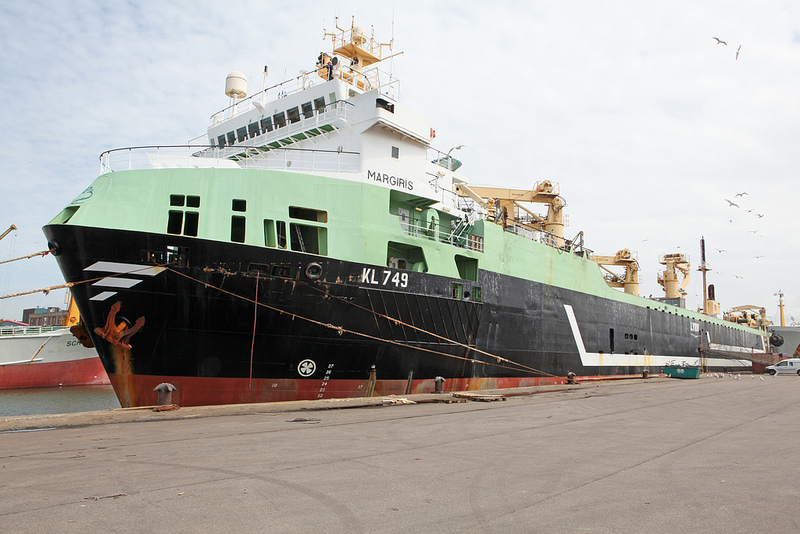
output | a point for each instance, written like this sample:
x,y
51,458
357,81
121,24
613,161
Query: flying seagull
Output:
x,y
756,257
721,250
737,51
739,277
759,215
741,194
731,203
719,41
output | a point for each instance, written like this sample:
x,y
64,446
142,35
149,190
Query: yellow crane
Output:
x,y
624,258
752,316
505,206
673,264
10,229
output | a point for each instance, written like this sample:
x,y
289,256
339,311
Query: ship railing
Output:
x,y
452,233
28,330
320,123
446,196
302,159
544,237
205,156
370,78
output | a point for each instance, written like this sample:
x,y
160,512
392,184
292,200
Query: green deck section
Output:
x,y
362,224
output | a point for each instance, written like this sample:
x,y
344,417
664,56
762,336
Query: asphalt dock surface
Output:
x,y
656,455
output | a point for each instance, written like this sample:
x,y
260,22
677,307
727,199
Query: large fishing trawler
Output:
x,y
318,246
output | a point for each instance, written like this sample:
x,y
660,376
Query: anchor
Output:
x,y
118,334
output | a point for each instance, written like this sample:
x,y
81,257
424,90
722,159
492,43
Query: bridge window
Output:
x,y
383,104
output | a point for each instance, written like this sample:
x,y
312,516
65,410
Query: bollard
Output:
x,y
373,377
165,390
571,378
645,373
438,384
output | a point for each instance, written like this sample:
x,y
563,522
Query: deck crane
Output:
x,y
624,258
674,263
504,205
752,316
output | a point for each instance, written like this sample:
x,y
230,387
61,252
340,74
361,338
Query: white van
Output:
x,y
790,366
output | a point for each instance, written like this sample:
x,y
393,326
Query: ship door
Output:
x,y
610,340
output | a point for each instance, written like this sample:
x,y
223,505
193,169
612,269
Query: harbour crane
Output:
x,y
10,229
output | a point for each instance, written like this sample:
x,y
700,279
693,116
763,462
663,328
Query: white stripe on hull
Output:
x,y
598,359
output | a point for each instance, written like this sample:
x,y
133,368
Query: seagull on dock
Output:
x,y
737,51
720,41
731,203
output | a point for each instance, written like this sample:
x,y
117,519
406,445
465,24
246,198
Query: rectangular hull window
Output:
x,y
237,229
280,227
190,226
308,214
309,239
175,222
269,233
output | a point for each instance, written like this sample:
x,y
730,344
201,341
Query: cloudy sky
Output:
x,y
647,123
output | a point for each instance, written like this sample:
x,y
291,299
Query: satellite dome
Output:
x,y
359,35
236,85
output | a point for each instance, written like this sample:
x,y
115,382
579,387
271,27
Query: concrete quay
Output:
x,y
655,455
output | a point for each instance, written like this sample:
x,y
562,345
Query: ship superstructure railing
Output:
x,y
457,232
205,156
368,79
284,128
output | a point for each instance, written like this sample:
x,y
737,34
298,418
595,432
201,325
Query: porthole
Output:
x,y
313,271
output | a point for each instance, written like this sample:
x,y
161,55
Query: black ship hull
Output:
x,y
230,323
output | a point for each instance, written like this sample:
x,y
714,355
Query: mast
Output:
x,y
703,269
780,306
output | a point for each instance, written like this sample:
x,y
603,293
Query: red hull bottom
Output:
x,y
83,372
138,390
